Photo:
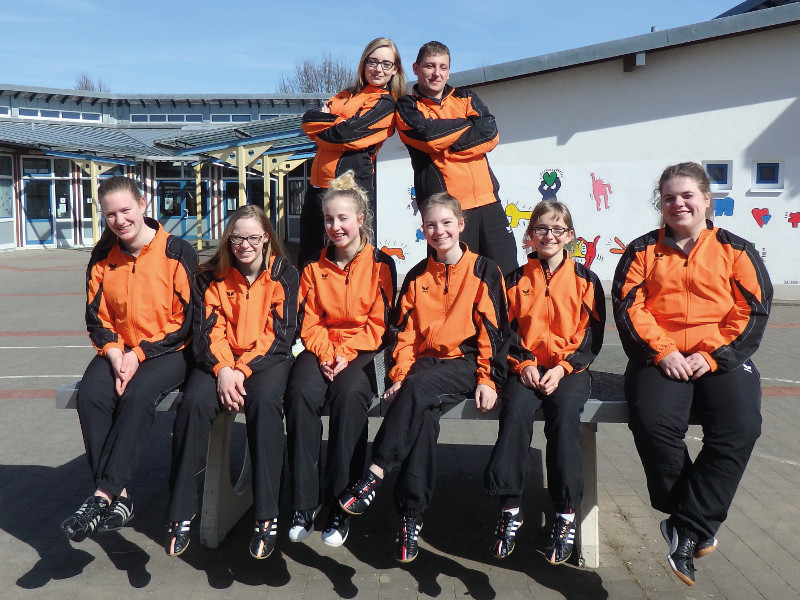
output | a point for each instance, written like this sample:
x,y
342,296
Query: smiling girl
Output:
x,y
452,341
349,130
691,303
557,311
138,314
246,305
346,298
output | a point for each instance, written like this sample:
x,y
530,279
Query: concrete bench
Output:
x,y
224,503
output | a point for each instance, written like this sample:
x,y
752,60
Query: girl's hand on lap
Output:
x,y
391,393
129,364
339,364
327,370
530,377
549,381
675,366
485,397
698,364
230,389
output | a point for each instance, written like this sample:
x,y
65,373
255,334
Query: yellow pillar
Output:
x,y
93,175
241,167
198,196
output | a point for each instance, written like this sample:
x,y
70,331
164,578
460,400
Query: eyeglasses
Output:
x,y
541,230
374,62
253,240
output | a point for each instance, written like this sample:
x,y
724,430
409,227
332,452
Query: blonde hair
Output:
x,y
397,84
345,186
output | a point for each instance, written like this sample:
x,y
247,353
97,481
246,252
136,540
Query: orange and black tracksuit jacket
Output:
x,y
447,140
346,311
450,311
556,318
714,301
350,135
243,325
141,303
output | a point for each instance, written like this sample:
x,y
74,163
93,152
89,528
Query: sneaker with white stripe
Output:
x,y
84,521
505,532
562,539
117,515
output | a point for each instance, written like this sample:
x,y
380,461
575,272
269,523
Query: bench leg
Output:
x,y
223,503
589,533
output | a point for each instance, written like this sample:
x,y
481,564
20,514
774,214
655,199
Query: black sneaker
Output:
x,y
505,532
681,552
704,547
85,520
117,515
406,544
178,537
302,525
263,541
562,539
355,499
337,527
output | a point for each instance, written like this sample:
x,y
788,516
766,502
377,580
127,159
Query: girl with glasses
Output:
x,y
556,309
349,130
245,301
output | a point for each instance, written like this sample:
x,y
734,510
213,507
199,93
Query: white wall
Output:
x,y
733,99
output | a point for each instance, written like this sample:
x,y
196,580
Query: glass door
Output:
x,y
38,207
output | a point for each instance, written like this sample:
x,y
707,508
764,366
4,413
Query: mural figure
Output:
x,y
551,183
420,236
723,206
396,252
585,251
620,247
600,191
514,214
761,215
413,206
794,219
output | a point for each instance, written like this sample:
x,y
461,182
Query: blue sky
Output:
x,y
244,46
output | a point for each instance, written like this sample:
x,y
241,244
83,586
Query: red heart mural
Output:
x,y
761,215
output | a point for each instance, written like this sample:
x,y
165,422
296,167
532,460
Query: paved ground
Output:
x,y
43,478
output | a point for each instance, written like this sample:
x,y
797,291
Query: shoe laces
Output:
x,y
409,528
300,519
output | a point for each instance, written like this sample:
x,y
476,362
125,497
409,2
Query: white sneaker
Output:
x,y
302,525
337,527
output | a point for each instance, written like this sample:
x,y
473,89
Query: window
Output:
x,y
138,118
28,112
240,118
90,116
6,188
158,118
267,117
165,118
719,174
4,111
50,113
230,118
767,176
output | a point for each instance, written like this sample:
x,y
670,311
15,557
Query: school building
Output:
x,y
197,157
593,127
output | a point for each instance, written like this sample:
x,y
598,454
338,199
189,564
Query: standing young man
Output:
x,y
448,133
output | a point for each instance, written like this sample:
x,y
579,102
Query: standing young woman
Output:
x,y
452,341
349,130
346,297
691,302
246,307
557,310
138,315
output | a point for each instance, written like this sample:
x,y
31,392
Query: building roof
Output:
x,y
723,26
753,5
278,128
89,140
174,100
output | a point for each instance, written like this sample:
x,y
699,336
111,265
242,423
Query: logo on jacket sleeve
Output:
x,y
424,288
113,267
526,292
324,275
230,294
